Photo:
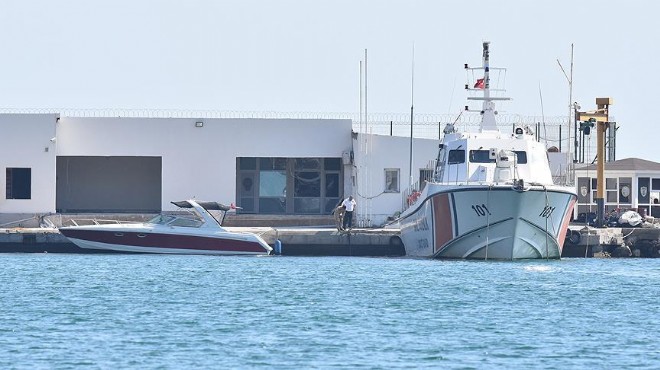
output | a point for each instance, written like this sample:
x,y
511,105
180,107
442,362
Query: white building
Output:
x,y
630,183
266,166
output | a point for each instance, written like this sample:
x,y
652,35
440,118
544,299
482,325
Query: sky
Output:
x,y
304,56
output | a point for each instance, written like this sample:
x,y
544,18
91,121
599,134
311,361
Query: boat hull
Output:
x,y
152,241
488,222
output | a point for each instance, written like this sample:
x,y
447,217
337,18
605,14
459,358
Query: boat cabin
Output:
x,y
482,158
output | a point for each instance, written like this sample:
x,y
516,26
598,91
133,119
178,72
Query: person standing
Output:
x,y
350,204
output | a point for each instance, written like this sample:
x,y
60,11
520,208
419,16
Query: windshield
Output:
x,y
176,221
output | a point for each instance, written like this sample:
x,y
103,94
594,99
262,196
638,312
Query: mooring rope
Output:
x,y
488,219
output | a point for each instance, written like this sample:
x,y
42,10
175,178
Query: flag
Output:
x,y
479,84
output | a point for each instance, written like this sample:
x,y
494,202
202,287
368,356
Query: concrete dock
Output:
x,y
581,241
587,241
301,241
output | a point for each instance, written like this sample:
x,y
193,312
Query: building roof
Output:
x,y
626,164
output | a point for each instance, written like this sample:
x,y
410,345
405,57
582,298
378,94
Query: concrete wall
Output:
x,y
25,142
373,154
200,162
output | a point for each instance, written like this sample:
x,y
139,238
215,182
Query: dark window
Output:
x,y
331,204
308,164
610,183
456,156
19,183
332,185
289,185
247,184
584,190
272,205
611,197
248,163
247,204
307,205
481,156
272,164
332,164
307,184
655,184
625,189
594,183
521,157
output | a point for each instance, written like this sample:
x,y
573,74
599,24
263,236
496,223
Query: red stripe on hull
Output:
x,y
442,221
170,241
564,225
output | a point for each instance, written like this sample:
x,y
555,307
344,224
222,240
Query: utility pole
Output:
x,y
601,117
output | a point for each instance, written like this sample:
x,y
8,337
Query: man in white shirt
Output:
x,y
350,204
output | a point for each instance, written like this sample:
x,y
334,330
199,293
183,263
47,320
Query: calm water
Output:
x,y
158,311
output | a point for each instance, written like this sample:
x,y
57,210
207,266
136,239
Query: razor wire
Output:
x,y
552,130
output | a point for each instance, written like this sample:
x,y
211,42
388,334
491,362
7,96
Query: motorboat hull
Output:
x,y
145,240
488,222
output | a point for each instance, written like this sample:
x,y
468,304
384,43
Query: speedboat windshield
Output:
x,y
171,220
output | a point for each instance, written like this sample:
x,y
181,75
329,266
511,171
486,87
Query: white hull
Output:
x,y
488,222
147,238
88,244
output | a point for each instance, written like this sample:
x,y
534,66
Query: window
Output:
x,y
456,156
273,185
584,190
611,195
391,180
521,156
248,163
625,189
272,191
19,183
610,183
655,184
481,156
272,164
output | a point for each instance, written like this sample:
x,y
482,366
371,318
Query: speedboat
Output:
x,y
199,232
492,195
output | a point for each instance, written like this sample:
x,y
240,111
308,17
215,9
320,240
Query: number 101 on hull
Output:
x,y
488,222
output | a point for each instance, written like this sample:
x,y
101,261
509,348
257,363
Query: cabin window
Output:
x,y
456,156
19,183
481,156
521,156
391,180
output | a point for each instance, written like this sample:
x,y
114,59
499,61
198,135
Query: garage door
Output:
x,y
109,184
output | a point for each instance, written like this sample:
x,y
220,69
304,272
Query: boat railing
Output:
x,y
410,195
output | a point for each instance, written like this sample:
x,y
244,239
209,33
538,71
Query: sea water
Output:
x,y
162,311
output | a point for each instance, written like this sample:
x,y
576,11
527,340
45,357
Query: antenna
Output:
x,y
571,108
545,133
412,100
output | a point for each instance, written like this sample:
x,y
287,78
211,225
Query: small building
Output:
x,y
630,183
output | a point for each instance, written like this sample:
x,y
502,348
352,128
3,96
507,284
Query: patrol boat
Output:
x,y
492,195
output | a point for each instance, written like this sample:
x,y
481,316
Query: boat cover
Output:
x,y
209,206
